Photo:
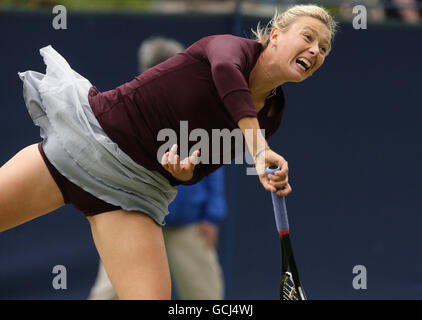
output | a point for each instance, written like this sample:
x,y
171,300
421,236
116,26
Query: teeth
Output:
x,y
306,62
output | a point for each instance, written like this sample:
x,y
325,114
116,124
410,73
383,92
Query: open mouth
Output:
x,y
304,63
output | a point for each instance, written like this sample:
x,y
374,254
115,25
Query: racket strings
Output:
x,y
288,289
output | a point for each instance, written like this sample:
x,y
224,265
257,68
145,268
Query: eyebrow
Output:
x,y
316,33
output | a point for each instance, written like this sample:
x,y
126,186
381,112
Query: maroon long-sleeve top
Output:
x,y
206,85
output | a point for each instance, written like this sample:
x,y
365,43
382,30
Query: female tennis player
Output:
x,y
100,150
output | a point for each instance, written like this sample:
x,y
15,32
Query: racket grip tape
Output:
x,y
279,205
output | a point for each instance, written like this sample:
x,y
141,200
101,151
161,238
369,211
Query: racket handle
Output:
x,y
279,205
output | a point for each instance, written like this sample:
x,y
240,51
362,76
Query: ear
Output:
x,y
275,33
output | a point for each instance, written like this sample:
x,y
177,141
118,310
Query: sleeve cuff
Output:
x,y
213,220
240,105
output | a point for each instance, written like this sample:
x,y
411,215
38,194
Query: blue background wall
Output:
x,y
351,135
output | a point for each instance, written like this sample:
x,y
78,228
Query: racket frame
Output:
x,y
288,262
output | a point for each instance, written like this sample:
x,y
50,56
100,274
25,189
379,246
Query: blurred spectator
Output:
x,y
191,230
42,3
81,5
410,13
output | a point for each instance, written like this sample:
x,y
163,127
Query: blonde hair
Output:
x,y
283,21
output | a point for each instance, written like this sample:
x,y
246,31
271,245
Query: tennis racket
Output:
x,y
290,285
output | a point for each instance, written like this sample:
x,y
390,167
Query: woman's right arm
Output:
x,y
264,156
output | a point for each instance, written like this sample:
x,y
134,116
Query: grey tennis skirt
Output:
x,y
77,146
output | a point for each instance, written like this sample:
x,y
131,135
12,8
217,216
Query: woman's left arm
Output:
x,y
180,169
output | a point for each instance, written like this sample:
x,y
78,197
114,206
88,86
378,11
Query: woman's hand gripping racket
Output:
x,y
290,286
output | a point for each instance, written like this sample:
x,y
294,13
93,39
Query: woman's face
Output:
x,y
300,50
